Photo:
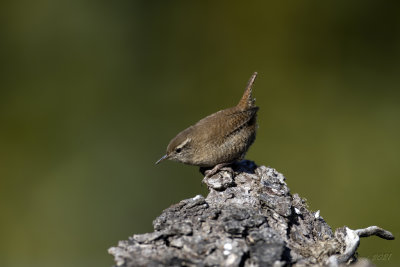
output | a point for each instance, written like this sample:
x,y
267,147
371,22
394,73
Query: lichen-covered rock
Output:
x,y
249,218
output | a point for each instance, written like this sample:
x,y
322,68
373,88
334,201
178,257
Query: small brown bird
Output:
x,y
219,139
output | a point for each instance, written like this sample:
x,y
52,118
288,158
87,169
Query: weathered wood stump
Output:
x,y
249,218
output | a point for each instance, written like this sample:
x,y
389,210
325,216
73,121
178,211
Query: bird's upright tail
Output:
x,y
247,100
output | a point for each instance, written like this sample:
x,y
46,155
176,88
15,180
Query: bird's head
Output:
x,y
179,149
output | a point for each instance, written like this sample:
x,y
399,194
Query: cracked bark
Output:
x,y
249,218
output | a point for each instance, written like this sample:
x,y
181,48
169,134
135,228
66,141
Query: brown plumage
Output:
x,y
220,138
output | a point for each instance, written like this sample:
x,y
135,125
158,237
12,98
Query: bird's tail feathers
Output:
x,y
247,100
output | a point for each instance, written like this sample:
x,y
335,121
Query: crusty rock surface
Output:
x,y
249,218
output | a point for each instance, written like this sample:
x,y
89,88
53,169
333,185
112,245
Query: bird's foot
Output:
x,y
219,167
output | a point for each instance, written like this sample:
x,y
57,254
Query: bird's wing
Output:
x,y
237,120
225,122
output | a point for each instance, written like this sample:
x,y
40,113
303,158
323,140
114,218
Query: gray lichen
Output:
x,y
249,218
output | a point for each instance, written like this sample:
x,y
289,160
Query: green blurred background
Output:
x,y
92,91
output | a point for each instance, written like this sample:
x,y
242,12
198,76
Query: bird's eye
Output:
x,y
178,150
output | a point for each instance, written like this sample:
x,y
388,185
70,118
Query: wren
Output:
x,y
219,139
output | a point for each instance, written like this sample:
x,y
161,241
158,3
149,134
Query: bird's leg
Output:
x,y
216,169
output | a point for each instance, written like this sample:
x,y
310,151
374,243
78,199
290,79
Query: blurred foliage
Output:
x,y
92,92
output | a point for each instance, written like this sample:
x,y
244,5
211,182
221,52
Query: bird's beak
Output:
x,y
163,158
